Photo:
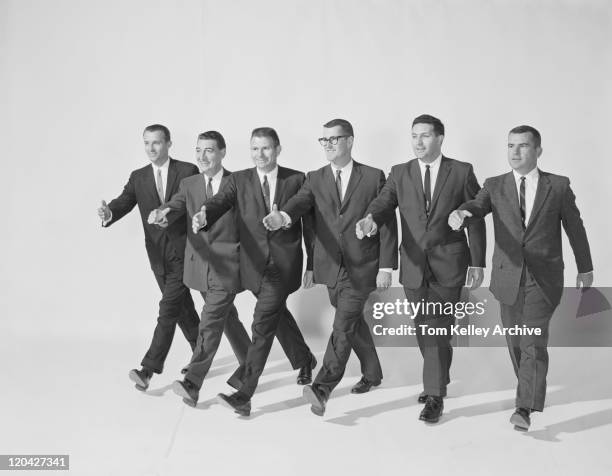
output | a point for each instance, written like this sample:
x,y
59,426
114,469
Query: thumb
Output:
x,y
467,213
164,212
274,208
104,203
203,209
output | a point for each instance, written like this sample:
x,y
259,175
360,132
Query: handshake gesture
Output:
x,y
158,217
199,220
274,220
366,227
455,219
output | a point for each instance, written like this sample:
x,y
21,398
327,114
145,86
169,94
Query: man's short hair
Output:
x,y
213,135
438,127
537,138
347,128
266,132
160,128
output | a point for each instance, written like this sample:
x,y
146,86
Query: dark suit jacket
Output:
x,y
140,190
539,246
429,238
243,191
334,225
217,248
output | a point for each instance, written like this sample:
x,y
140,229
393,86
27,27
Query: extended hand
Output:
x,y
383,280
365,227
307,280
199,220
455,219
158,216
104,212
474,278
586,279
274,220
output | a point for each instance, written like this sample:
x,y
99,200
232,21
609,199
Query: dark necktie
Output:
x,y
209,189
522,201
427,189
160,187
266,193
339,184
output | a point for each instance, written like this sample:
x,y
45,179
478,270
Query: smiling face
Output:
x,y
264,153
156,146
426,144
209,156
522,152
340,153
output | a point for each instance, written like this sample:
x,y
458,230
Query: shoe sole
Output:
x,y
222,401
520,424
315,404
140,385
181,392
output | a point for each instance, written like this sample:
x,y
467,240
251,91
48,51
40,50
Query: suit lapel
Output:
x,y
171,179
541,194
414,171
511,195
280,187
329,179
443,173
149,183
353,183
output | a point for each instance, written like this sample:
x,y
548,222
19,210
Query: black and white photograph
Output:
x,y
281,237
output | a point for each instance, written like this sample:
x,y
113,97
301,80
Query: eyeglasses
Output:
x,y
333,140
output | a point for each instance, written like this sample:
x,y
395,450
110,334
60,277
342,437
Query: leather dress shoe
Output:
x,y
433,409
305,375
141,378
316,398
422,397
520,419
237,402
364,385
187,390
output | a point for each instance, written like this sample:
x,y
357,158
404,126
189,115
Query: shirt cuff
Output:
x,y
106,222
286,219
386,270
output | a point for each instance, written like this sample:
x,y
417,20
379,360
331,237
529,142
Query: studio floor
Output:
x,y
56,402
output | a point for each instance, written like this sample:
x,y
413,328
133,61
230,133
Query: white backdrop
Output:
x,y
80,80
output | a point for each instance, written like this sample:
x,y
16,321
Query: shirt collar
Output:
x,y
533,175
271,175
346,170
163,168
432,165
216,177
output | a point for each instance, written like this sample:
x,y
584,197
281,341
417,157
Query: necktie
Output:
x,y
209,189
339,184
427,189
522,201
266,193
160,187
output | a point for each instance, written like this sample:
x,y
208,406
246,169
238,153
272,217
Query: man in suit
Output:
x,y
149,187
270,262
211,265
339,194
434,260
529,206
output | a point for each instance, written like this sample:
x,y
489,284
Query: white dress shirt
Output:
x,y
164,175
531,186
271,182
216,181
345,175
